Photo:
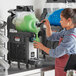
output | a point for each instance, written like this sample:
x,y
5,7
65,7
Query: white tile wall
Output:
x,y
5,5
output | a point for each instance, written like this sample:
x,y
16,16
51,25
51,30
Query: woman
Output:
x,y
68,44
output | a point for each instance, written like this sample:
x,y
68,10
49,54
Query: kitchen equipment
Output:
x,y
21,33
26,22
3,50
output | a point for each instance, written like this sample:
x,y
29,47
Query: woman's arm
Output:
x,y
53,36
48,28
67,46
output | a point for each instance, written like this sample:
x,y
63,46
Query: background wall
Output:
x,y
5,5
38,5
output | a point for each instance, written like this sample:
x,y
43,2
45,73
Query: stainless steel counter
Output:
x,y
32,71
14,71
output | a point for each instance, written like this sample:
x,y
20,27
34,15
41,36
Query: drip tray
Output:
x,y
41,62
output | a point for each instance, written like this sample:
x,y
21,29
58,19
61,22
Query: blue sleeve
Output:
x,y
56,36
67,46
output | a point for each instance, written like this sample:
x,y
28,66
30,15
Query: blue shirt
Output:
x,y
68,44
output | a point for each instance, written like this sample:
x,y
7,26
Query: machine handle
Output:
x,y
3,25
39,24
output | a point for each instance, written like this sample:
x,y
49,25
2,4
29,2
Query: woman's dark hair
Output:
x,y
69,13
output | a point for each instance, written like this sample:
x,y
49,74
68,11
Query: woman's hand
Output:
x,y
48,28
41,46
47,24
38,45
